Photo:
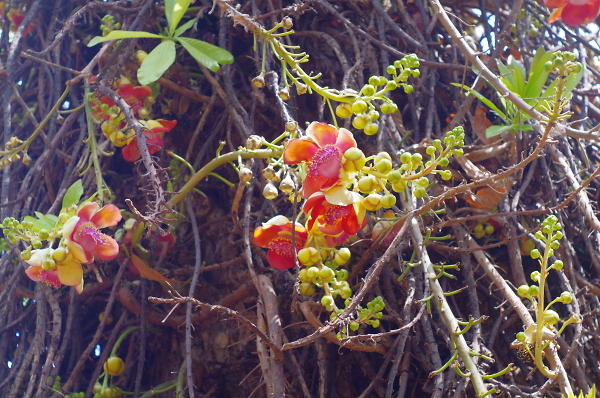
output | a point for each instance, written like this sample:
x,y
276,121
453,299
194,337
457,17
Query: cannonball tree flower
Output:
x,y
573,12
68,271
82,235
336,211
154,138
323,155
276,235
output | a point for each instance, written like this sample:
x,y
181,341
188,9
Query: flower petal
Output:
x,y
322,133
86,211
264,235
39,255
345,140
70,274
78,253
312,184
280,261
34,273
131,152
339,196
555,3
107,251
555,16
298,150
108,216
575,15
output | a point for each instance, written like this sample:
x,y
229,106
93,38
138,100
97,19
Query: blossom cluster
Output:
x,y
80,242
114,126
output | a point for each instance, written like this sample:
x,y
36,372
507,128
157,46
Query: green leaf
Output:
x,y
44,221
481,98
181,30
73,194
123,34
518,76
205,53
506,75
537,75
157,62
174,10
493,131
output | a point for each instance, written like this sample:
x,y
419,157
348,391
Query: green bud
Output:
x,y
551,317
307,289
48,264
394,177
326,274
354,326
558,265
521,337
367,184
368,90
36,244
535,276
406,157
345,292
382,81
343,110
391,85
383,166
430,151
359,106
388,108
408,89
353,154
535,253
390,70
360,121
419,193
373,115
371,128
444,162
374,80
375,323
342,275
416,73
387,201
312,273
26,254
399,186
489,229
566,297
326,301
534,290
523,290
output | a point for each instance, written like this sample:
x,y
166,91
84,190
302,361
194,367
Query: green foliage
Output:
x,y
163,55
73,194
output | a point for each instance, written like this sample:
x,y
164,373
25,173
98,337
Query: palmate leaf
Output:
x,y
205,53
123,34
157,62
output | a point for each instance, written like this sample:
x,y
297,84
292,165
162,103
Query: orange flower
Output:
x,y
66,272
276,235
335,211
573,12
84,240
323,155
154,138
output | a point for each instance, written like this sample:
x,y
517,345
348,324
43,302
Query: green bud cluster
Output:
x,y
365,115
108,24
322,268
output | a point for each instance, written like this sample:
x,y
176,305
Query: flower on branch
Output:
x,y
573,12
154,138
44,268
335,211
276,235
323,155
82,235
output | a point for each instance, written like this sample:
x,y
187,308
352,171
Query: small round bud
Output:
x,y
354,326
343,110
399,186
408,89
140,56
521,337
489,229
312,273
372,202
114,366
342,256
326,301
558,265
523,290
345,292
535,253
371,128
373,115
342,274
375,323
383,166
48,264
302,275
309,256
387,201
111,393
59,255
36,244
549,66
307,289
551,317
291,126
388,108
391,85
254,142
270,191
534,290
405,158
26,254
360,121
394,177
43,234
566,298
354,154
535,276
287,23
367,184
420,193
326,275
374,80
245,174
359,106
368,90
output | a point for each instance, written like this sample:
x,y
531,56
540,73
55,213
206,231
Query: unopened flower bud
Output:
x,y
284,94
287,23
326,275
254,142
522,337
312,273
48,264
354,154
372,202
287,184
303,277
114,366
307,289
383,166
534,290
551,317
270,191
367,184
326,301
268,173
43,234
360,121
359,106
140,56
558,265
59,255
387,201
245,174
291,126
523,290
399,186
36,244
342,256
309,256
26,159
343,110
535,253
371,128
566,297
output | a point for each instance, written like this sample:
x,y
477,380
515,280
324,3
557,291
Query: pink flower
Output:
x,y
67,272
573,12
336,211
84,240
276,235
323,155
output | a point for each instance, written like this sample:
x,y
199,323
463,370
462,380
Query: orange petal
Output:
x,y
555,16
107,251
34,273
298,150
108,216
149,273
70,274
78,252
322,133
264,235
87,211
